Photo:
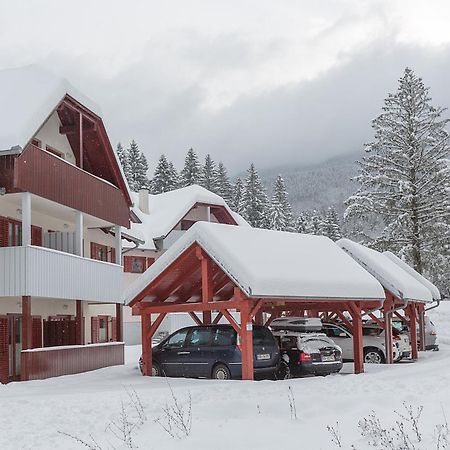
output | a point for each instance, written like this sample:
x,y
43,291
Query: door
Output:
x,y
198,354
15,345
172,353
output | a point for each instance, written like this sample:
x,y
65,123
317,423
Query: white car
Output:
x,y
373,344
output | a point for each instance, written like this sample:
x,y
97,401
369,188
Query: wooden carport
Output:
x,y
199,275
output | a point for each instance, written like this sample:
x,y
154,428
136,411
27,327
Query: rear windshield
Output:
x,y
262,336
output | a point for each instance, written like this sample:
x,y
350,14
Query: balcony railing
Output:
x,y
43,272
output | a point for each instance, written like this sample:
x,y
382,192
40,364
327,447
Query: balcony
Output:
x,y
43,272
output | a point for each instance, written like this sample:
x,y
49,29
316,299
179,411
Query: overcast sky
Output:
x,y
274,82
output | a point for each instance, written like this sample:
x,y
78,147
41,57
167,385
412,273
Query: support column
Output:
x,y
411,311
119,322
421,318
26,218
79,233
118,244
246,335
207,286
79,331
146,345
80,162
259,318
27,331
358,355
388,339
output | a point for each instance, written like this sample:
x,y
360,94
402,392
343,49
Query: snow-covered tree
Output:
x,y
280,214
174,176
164,179
238,192
122,154
301,223
330,226
405,178
255,204
190,174
315,221
224,188
208,174
138,168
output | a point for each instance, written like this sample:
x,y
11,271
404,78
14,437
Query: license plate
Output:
x,y
327,358
263,356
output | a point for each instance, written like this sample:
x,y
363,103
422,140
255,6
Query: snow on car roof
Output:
x,y
28,96
420,278
276,264
393,277
167,209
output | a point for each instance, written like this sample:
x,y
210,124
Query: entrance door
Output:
x,y
15,345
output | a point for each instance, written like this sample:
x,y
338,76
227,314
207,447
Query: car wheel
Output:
x,y
283,372
156,370
373,356
220,372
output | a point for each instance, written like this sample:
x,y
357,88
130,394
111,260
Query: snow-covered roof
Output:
x,y
28,96
393,277
167,209
272,264
432,288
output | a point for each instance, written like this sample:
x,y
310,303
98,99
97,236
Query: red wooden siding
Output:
x,y
59,331
136,264
36,236
95,329
38,365
4,354
36,333
4,235
7,172
43,174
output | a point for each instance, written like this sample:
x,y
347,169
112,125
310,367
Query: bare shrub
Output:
x,y
335,435
292,405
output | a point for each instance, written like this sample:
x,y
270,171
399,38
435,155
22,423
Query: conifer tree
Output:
x,y
238,193
122,155
190,174
255,203
314,223
224,188
174,177
138,167
208,174
164,179
405,180
330,226
280,208
301,224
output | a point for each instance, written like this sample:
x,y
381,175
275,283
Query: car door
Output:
x,y
197,358
172,354
342,338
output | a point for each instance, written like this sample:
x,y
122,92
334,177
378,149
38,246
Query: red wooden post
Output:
x,y
79,335
27,333
246,335
411,311
119,322
146,345
421,317
259,318
207,286
387,313
358,356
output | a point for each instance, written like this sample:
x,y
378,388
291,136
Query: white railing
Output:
x,y
43,272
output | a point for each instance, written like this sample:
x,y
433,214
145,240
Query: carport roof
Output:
x,y
272,264
389,273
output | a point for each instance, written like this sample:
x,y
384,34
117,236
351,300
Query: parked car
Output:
x,y
307,354
159,336
212,351
430,335
373,345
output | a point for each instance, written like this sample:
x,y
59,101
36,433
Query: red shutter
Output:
x,y
4,234
36,236
36,332
113,255
150,261
93,250
95,330
4,352
114,329
127,263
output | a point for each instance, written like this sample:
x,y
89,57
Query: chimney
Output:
x,y
143,201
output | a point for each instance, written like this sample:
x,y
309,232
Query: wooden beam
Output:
x,y
231,320
154,326
79,335
358,356
195,318
246,335
187,307
119,322
217,318
146,345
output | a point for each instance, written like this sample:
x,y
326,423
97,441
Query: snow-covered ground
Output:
x,y
228,414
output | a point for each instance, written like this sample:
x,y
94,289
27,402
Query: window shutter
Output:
x,y
95,330
4,234
127,263
36,332
150,261
113,255
4,351
93,250
36,236
114,329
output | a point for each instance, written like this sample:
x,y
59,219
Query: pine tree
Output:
x,y
330,226
301,224
138,168
122,154
280,209
190,173
254,200
238,193
404,180
315,222
174,177
208,175
224,188
164,179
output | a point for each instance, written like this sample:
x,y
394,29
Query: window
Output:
x,y
177,340
54,151
199,337
36,143
137,264
224,336
332,331
102,252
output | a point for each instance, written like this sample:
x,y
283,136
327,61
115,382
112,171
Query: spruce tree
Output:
x,y
224,188
208,175
280,208
330,226
301,224
122,155
405,180
138,167
238,193
255,203
174,177
164,179
315,222
190,174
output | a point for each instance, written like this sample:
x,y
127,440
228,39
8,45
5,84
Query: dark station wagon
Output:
x,y
212,351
